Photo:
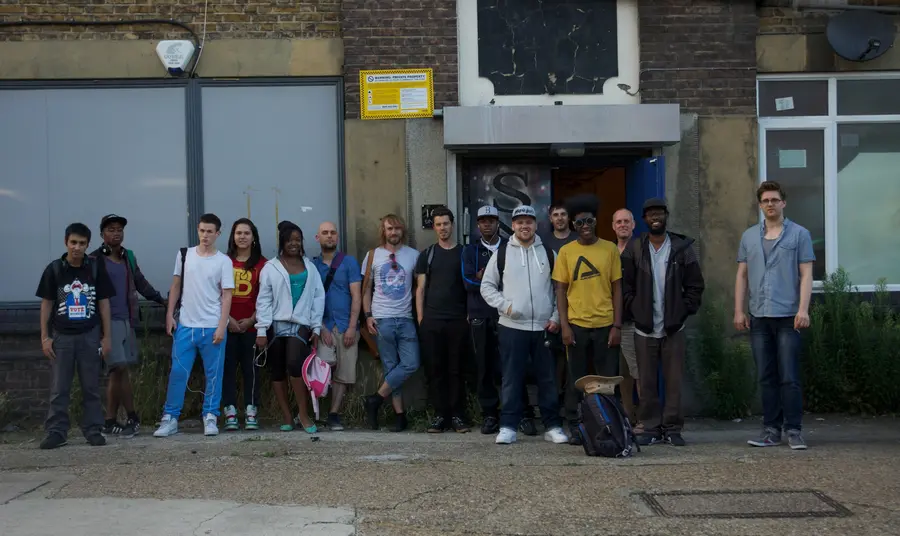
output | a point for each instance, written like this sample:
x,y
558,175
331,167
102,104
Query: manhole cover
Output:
x,y
744,504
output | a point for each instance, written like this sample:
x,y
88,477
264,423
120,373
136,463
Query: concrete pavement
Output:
x,y
378,483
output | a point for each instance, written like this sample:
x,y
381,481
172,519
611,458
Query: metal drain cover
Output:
x,y
743,504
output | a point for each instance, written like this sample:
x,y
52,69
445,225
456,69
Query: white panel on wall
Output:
x,y
271,154
74,155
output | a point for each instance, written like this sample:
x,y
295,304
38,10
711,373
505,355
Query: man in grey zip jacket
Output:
x,y
525,300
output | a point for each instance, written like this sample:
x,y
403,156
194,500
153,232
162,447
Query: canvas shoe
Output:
x,y
556,435
231,421
507,436
769,437
167,427
251,423
210,428
795,440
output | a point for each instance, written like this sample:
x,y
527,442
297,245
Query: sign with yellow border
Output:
x,y
396,93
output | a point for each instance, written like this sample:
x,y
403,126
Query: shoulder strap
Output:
x,y
367,279
550,258
95,268
181,283
501,264
335,264
132,263
430,252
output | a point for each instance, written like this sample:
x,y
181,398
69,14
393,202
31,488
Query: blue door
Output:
x,y
646,178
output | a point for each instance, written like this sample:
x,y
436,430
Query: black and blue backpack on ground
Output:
x,y
604,428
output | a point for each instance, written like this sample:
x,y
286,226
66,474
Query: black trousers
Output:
x,y
239,353
591,346
486,347
444,347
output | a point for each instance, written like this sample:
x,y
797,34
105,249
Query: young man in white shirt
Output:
x,y
202,287
387,306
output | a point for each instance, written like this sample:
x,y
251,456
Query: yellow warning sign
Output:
x,y
396,93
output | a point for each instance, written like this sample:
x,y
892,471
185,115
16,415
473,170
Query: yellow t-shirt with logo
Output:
x,y
590,272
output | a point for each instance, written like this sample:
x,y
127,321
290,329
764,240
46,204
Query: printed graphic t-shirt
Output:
x,y
590,272
246,289
445,294
204,280
337,299
392,280
75,295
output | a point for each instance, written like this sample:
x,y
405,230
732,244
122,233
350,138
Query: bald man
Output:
x,y
340,335
623,226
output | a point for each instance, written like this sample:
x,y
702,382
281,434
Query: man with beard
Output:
x,y
387,306
444,332
338,344
662,286
588,277
128,280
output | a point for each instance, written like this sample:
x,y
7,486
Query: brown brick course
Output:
x,y
247,19
400,35
700,53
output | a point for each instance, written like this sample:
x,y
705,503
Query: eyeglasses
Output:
x,y
581,222
393,261
770,201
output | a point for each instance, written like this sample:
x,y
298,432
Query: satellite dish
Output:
x,y
860,35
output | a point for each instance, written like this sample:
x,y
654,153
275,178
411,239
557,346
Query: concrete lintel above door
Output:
x,y
591,125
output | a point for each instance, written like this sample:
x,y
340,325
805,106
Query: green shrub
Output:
x,y
851,354
5,409
721,366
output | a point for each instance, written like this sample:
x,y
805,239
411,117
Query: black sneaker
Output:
x,y
527,426
648,438
490,425
575,436
459,425
112,427
373,404
437,426
96,440
334,422
130,429
675,439
53,441
400,423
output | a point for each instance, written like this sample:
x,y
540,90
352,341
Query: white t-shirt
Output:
x,y
204,280
393,280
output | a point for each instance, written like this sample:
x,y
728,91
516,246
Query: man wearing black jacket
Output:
x,y
662,286
129,281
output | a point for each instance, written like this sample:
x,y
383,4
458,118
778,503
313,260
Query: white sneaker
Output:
x,y
209,425
556,435
506,436
168,427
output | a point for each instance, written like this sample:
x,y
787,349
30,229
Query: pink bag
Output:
x,y
317,377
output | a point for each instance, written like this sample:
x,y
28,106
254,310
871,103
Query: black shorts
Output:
x,y
286,355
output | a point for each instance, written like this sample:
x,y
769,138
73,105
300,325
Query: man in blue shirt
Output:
x,y
338,343
775,260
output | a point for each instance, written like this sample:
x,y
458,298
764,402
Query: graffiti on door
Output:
x,y
506,187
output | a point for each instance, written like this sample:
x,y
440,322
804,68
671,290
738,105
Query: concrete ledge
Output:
x,y
59,60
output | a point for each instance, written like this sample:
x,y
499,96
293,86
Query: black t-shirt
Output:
x,y
445,294
557,243
75,294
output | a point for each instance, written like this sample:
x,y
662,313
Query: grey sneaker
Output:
x,y
770,437
795,440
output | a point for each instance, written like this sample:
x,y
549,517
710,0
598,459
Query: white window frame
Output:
x,y
829,124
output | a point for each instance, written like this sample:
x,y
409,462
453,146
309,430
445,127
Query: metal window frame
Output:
x,y
829,125
193,116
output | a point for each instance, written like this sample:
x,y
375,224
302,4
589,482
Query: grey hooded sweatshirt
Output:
x,y
527,300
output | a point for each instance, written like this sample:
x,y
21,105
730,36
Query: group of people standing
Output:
x,y
532,310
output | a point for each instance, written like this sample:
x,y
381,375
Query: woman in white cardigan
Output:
x,y
289,313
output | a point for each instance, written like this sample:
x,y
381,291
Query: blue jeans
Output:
x,y
189,341
398,345
519,351
776,350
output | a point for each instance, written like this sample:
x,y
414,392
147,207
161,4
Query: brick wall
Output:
x,y
701,54
778,17
390,35
253,19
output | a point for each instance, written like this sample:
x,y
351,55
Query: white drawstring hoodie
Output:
x,y
274,303
527,287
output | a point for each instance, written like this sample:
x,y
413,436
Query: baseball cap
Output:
x,y
488,211
523,210
655,202
112,218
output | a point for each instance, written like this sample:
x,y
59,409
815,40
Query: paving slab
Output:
x,y
113,517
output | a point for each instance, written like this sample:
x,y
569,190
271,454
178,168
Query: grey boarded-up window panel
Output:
x,y
77,154
278,147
